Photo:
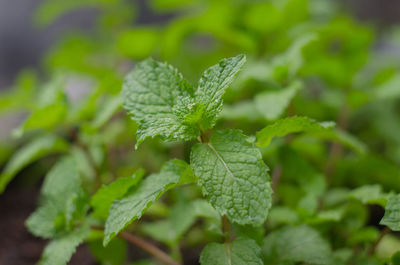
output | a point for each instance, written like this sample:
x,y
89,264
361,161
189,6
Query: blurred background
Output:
x,y
23,44
40,38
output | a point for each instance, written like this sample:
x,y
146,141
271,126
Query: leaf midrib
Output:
x,y
222,160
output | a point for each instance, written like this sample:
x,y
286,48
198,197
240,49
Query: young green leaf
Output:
x,y
152,92
62,198
62,180
104,197
34,150
60,250
300,244
392,213
271,104
233,177
42,222
212,87
135,202
286,126
242,251
42,118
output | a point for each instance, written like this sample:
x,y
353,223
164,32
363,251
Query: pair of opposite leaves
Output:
x,y
229,168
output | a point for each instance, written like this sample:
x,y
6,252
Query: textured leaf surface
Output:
x,y
242,251
289,125
133,204
392,213
34,150
60,250
233,177
61,195
212,87
271,104
152,92
41,222
104,197
296,244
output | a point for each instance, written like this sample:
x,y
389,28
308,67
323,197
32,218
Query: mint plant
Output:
x,y
227,166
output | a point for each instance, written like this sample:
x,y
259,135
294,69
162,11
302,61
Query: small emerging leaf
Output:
x,y
212,87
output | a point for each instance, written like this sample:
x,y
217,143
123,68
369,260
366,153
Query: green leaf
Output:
x,y
242,251
285,66
45,118
289,125
152,92
370,194
392,213
145,39
271,104
104,197
169,231
135,202
50,10
62,180
233,177
42,222
212,86
20,96
296,244
60,250
388,90
49,110
62,201
106,111
34,150
342,137
396,258
113,254
243,110
161,231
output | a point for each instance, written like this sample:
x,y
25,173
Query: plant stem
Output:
x,y
276,175
226,229
383,233
146,246
336,148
